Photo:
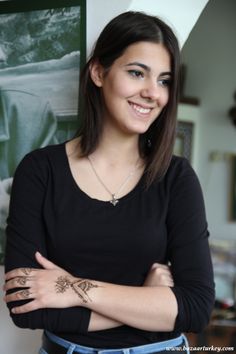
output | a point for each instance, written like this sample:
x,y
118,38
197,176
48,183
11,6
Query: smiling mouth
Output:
x,y
140,109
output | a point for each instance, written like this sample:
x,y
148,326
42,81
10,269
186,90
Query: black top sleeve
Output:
x,y
188,251
25,235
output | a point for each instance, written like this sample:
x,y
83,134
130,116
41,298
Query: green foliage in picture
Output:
x,y
39,35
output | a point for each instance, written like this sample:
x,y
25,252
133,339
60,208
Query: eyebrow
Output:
x,y
147,68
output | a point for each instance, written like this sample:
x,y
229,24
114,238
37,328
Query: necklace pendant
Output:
x,y
114,201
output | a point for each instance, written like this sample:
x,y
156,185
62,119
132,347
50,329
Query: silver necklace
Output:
x,y
114,200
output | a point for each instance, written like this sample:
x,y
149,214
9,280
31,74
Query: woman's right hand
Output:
x,y
50,287
159,275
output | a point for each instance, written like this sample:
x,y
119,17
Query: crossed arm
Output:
x,y
150,307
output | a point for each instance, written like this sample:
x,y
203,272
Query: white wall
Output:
x,y
99,13
210,56
182,15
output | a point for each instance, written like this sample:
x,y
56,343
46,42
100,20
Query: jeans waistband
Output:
x,y
167,345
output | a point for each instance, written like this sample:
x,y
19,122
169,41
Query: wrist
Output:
x,y
80,290
84,290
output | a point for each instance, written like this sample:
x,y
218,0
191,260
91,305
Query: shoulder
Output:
x,y
180,166
45,153
182,183
180,177
39,161
179,170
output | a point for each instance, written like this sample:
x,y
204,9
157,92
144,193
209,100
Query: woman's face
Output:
x,y
136,87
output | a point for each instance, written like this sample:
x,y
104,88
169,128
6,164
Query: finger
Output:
x,y
18,272
165,278
25,294
18,282
30,306
161,272
44,262
166,275
168,281
171,282
164,272
159,265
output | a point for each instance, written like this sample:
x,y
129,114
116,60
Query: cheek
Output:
x,y
122,90
114,91
121,87
164,98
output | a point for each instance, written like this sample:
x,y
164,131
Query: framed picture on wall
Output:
x,y
42,47
184,139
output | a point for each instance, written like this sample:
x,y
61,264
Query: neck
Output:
x,y
117,151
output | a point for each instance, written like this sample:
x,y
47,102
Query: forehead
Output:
x,y
151,54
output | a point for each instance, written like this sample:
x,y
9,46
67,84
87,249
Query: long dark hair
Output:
x,y
155,145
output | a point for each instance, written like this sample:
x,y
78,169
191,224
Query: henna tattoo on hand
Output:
x,y
22,280
26,271
62,284
80,287
25,294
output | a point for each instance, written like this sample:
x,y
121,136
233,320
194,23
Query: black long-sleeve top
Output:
x,y
93,239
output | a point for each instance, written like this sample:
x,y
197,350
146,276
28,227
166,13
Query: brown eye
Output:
x,y
164,82
136,73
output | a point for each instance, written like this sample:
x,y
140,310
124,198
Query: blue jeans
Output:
x,y
168,346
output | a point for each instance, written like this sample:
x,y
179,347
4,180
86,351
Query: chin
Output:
x,y
141,129
130,131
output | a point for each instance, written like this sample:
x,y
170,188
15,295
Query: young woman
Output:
x,y
107,246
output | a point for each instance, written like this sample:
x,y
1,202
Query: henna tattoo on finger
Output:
x,y
22,280
25,294
26,271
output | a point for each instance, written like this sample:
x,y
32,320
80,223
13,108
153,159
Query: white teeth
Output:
x,y
141,109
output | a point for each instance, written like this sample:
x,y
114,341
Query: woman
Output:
x,y
119,222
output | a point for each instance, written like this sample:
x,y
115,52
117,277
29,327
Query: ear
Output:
x,y
96,73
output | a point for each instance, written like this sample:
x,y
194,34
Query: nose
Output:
x,y
151,91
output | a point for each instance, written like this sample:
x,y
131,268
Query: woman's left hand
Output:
x,y
47,288
159,275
